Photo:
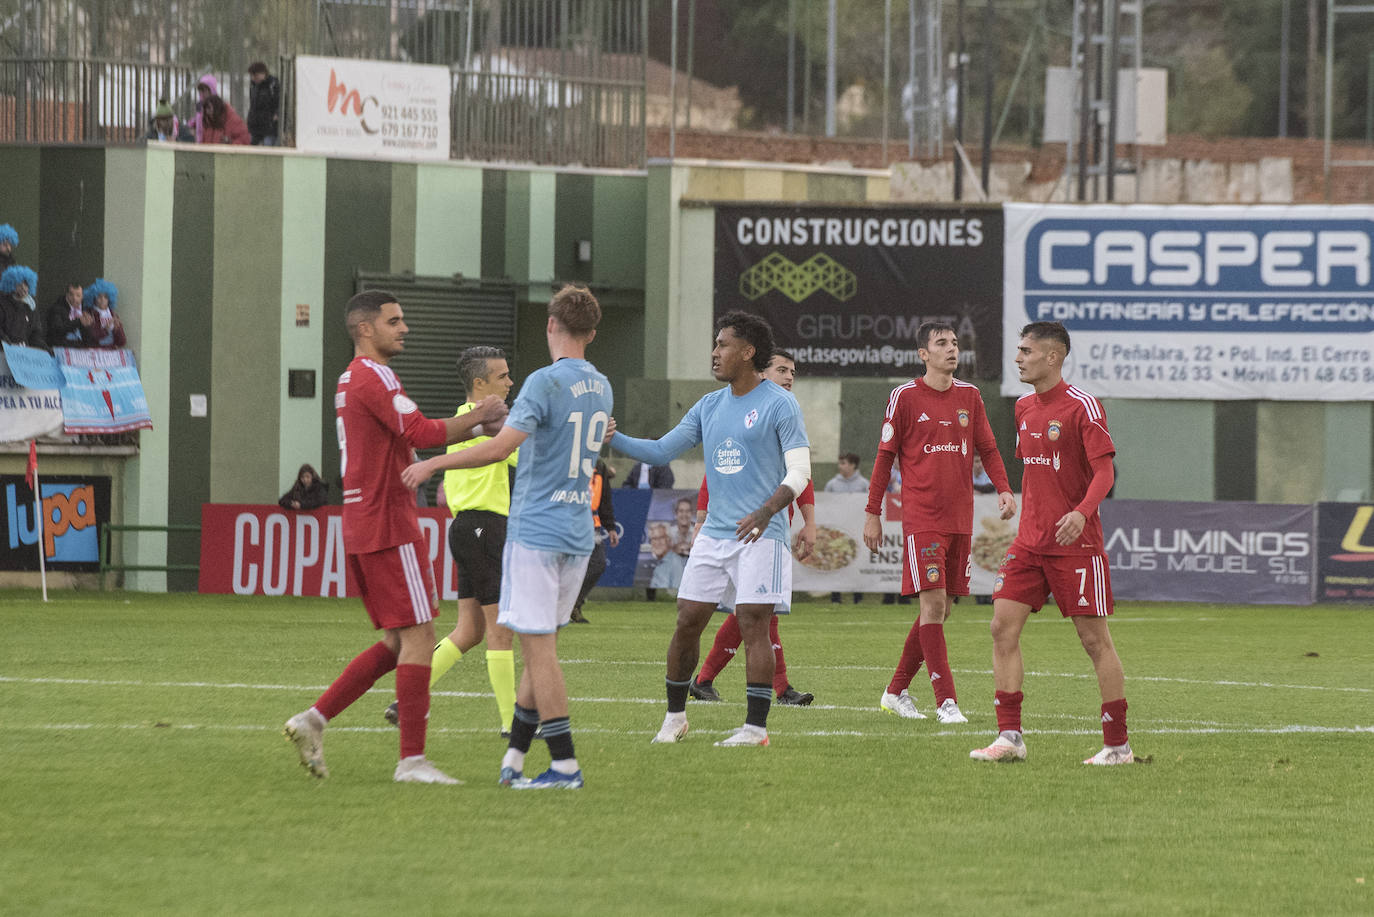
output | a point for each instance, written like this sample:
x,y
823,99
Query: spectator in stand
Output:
x,y
67,322
649,477
264,106
309,492
107,330
165,126
20,322
9,241
221,124
847,481
208,86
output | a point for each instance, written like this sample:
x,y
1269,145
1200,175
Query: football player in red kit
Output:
x,y
1066,450
932,428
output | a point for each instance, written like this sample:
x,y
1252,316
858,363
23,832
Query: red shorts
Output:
x,y
937,560
397,585
1081,583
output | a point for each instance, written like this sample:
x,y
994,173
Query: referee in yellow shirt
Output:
x,y
479,499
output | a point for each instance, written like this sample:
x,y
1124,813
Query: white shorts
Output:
x,y
538,588
758,573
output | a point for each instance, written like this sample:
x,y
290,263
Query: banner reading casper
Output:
x,y
845,289
1210,303
373,109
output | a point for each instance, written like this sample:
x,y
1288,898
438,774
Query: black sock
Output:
x,y
558,735
522,727
677,695
759,698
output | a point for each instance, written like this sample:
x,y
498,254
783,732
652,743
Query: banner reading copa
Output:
x,y
1198,302
845,289
74,508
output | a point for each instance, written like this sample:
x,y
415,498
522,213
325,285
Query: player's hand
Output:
x,y
412,476
806,541
490,412
612,537
873,532
1006,502
752,526
1069,527
610,431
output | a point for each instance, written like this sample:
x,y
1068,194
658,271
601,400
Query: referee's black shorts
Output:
x,y
477,539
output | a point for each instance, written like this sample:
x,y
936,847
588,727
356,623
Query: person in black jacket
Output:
x,y
68,323
603,517
9,241
264,106
309,492
20,322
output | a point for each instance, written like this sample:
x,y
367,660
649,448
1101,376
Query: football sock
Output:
x,y
1008,704
677,695
723,649
758,698
412,699
501,672
779,663
932,637
356,678
910,663
446,655
558,734
1114,722
522,728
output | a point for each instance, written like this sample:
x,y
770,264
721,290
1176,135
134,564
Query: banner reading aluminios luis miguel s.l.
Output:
x,y
845,289
1198,302
380,110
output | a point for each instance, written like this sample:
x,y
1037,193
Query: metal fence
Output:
x,y
71,100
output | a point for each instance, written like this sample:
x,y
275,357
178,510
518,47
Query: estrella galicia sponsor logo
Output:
x,y
729,456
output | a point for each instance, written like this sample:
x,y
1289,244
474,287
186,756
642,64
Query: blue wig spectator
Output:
x,y
98,288
9,241
16,274
100,298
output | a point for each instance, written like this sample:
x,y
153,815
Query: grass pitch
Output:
x,y
142,770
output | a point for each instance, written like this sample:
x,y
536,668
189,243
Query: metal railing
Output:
x,y
107,565
84,100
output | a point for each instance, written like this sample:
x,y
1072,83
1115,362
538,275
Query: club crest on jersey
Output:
x,y
403,405
729,457
750,419
997,584
1055,428
888,432
932,574
963,417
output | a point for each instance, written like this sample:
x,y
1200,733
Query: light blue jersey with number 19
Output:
x,y
564,409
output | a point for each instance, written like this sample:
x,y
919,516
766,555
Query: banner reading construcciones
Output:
x,y
845,289
1198,302
369,108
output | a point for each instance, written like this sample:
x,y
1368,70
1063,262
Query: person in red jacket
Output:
x,y
221,124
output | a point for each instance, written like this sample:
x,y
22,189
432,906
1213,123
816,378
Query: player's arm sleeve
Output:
x,y
667,447
877,483
808,496
606,509
1104,476
703,497
798,464
423,432
986,444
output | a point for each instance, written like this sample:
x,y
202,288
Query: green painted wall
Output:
x,y
618,237
21,197
302,283
1184,469
448,225
1349,462
72,235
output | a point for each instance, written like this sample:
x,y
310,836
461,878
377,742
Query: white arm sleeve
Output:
x,y
798,463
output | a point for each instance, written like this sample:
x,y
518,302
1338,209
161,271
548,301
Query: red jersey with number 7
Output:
x,y
1058,435
933,435
379,428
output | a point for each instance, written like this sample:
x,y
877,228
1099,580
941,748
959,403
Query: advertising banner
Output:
x,y
74,507
1224,302
1345,553
26,413
631,512
1247,553
845,289
101,391
380,110
842,563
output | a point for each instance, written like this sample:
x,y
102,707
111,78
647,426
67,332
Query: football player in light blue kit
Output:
x,y
757,461
558,423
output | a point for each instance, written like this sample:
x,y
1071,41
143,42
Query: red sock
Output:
x,y
779,664
1008,706
353,682
932,637
727,640
1114,722
910,663
412,699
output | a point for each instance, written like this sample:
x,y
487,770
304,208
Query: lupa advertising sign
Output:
x,y
1263,302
